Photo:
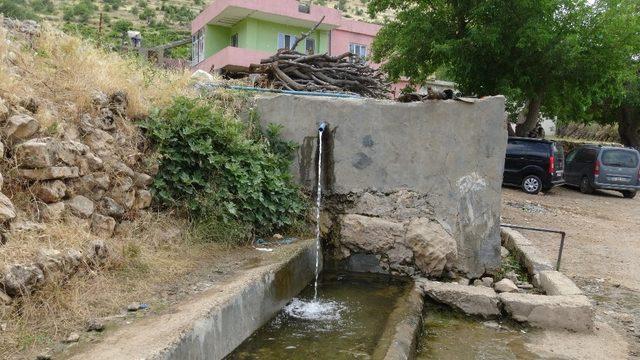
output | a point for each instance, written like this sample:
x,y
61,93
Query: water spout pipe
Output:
x,y
322,127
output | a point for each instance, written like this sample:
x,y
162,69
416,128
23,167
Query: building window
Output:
x,y
358,49
234,40
311,46
304,8
285,41
197,47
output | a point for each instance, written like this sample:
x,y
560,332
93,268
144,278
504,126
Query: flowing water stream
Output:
x,y
321,129
314,308
340,316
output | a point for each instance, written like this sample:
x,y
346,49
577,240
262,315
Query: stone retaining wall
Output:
x,y
92,173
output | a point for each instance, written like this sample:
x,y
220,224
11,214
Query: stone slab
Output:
x,y
50,173
551,312
556,283
473,300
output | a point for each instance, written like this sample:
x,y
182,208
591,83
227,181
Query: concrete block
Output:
x,y
525,251
373,144
551,312
556,283
400,336
473,300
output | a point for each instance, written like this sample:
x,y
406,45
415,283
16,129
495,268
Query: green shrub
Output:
x,y
180,14
223,171
18,9
81,12
43,6
147,14
121,26
113,4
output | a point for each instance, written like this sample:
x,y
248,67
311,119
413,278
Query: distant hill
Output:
x,y
159,21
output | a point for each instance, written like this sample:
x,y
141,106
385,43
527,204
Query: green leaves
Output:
x,y
571,53
213,164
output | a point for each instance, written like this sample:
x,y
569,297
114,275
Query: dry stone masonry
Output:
x,y
396,229
88,173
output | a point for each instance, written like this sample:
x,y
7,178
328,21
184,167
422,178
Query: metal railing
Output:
x,y
562,236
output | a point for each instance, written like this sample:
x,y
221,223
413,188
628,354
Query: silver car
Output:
x,y
593,167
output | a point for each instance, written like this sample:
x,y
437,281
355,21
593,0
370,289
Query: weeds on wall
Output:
x,y
230,176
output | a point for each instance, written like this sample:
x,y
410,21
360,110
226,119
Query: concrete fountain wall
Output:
x,y
412,187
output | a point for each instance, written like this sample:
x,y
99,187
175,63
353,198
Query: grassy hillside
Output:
x,y
160,21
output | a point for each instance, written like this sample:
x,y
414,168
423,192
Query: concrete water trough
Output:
x,y
214,322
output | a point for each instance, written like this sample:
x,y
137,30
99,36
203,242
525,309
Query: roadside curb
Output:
x,y
400,337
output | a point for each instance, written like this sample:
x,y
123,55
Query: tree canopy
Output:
x,y
560,57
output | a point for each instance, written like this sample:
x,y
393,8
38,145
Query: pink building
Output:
x,y
230,35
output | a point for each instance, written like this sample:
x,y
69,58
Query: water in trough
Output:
x,y
346,323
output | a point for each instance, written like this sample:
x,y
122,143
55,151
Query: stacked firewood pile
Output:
x,y
289,69
346,73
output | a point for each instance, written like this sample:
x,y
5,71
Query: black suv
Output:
x,y
533,164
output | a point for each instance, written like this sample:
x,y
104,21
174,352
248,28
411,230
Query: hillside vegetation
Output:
x,y
159,21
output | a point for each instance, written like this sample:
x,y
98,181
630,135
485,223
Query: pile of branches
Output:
x,y
291,70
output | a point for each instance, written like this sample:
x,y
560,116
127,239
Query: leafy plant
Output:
x,y
147,14
18,9
180,14
80,12
509,264
218,169
114,4
552,57
43,6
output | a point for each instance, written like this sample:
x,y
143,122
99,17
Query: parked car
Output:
x,y
533,164
593,167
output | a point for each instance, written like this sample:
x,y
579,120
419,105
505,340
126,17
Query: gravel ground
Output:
x,y
602,248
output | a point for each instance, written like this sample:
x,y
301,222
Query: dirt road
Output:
x,y
602,249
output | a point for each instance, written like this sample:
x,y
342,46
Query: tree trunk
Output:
x,y
531,120
629,126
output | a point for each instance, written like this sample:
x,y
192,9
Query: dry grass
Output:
x,y
62,72
144,262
